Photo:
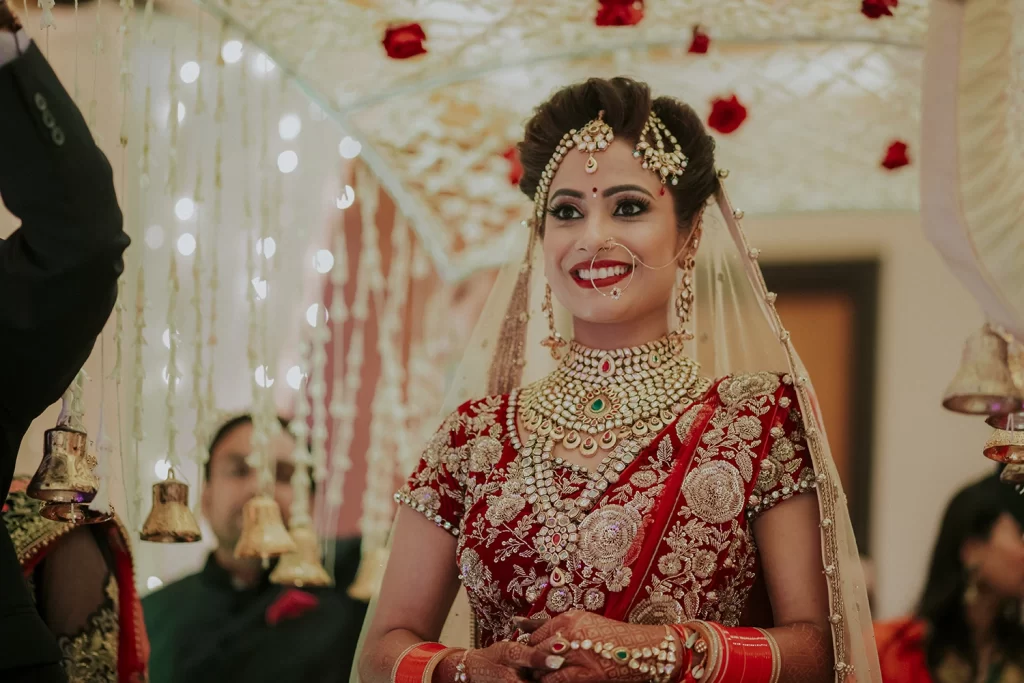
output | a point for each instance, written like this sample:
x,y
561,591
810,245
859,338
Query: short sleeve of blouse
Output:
x,y
786,468
437,487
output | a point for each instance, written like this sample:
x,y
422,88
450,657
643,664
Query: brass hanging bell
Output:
x,y
302,567
1005,446
170,520
984,383
1012,474
66,481
263,532
1011,422
370,575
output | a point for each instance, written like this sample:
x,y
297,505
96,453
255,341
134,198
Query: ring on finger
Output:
x,y
559,645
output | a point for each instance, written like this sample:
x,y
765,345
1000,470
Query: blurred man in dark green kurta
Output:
x,y
228,622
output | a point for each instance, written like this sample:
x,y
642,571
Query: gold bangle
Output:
x,y
776,655
398,660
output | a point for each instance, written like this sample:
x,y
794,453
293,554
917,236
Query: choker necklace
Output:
x,y
596,400
596,397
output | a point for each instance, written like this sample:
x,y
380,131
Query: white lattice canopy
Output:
x,y
827,90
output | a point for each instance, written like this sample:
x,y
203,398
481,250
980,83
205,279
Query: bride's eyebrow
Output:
x,y
566,192
626,188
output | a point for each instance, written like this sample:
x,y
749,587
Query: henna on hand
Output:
x,y
806,653
8,19
505,662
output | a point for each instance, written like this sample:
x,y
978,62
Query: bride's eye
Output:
x,y
630,208
565,212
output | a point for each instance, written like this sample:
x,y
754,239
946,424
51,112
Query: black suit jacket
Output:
x,y
202,630
58,284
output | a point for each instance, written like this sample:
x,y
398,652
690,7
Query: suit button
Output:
x,y
40,102
58,136
48,119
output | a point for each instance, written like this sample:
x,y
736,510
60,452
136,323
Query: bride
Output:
x,y
626,517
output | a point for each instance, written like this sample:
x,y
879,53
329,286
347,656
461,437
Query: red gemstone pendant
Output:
x,y
559,646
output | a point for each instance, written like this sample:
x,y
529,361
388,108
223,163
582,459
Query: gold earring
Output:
x,y
554,341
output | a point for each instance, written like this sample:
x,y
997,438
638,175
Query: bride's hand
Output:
x,y
506,662
586,666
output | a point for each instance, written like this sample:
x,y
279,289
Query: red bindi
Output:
x,y
662,191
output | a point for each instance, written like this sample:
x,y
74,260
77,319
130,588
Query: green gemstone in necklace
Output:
x,y
597,406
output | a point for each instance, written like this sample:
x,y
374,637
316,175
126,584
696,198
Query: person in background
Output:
x,y
967,627
228,622
58,284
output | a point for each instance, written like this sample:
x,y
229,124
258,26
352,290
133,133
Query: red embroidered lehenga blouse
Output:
x,y
668,537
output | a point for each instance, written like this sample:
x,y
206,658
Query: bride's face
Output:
x,y
621,202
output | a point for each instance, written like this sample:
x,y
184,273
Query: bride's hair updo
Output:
x,y
626,104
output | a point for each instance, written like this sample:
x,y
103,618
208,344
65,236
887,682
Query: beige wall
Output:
x,y
922,453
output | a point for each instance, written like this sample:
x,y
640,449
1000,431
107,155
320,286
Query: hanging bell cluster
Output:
x,y
302,567
263,532
66,480
170,520
370,575
990,383
984,383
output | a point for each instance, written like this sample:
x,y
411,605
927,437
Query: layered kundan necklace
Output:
x,y
610,402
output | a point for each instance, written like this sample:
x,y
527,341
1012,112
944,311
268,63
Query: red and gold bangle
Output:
x,y
749,655
411,666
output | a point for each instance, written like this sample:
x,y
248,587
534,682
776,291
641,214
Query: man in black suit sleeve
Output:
x,y
58,284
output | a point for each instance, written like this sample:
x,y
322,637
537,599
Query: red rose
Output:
x,y
701,40
515,166
873,9
896,156
726,115
619,13
403,42
292,603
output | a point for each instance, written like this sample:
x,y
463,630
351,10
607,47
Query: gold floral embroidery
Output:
x,y
606,536
90,656
484,453
505,508
658,610
733,390
715,492
428,498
